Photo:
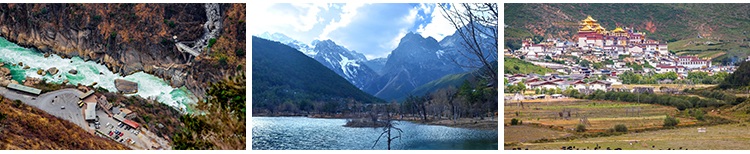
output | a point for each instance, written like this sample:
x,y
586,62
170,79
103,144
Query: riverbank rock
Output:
x,y
5,82
46,55
66,81
4,71
26,67
125,86
41,72
73,71
52,71
20,63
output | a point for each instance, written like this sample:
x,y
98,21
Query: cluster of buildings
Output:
x,y
96,101
618,47
563,82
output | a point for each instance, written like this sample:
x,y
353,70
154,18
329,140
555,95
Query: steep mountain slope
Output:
x,y
450,80
663,22
376,64
128,38
453,45
344,62
283,73
24,127
415,61
304,48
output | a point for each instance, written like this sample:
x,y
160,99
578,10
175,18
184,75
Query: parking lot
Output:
x,y
108,124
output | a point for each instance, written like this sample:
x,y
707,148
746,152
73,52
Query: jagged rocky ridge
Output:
x,y
126,38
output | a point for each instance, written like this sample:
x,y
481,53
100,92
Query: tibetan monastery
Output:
x,y
593,35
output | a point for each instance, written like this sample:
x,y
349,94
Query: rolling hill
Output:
x,y
661,22
282,73
518,66
664,22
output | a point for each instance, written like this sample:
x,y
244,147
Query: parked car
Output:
x,y
121,133
117,137
111,133
120,140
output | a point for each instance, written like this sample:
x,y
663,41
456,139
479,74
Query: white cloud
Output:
x,y
277,17
427,7
408,20
439,28
306,22
348,12
394,42
412,16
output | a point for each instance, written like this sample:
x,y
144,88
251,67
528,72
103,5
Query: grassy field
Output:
x,y
601,115
520,133
725,137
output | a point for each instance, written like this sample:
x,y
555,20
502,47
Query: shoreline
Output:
x,y
488,124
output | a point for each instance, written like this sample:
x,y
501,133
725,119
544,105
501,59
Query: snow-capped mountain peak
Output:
x,y
302,47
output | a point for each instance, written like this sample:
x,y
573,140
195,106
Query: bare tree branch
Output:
x,y
474,22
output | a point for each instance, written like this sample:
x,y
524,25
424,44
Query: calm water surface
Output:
x,y
300,133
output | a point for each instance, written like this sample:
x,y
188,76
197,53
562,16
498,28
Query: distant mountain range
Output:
x,y
348,64
415,61
281,72
664,22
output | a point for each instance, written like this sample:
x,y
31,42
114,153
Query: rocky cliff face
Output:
x,y
416,61
128,38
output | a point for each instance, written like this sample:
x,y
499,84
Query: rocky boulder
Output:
x,y
41,72
73,71
52,71
125,86
4,71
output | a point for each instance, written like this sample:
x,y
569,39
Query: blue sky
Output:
x,y
372,29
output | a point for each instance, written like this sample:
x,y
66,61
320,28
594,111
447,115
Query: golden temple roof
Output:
x,y
618,30
587,28
589,19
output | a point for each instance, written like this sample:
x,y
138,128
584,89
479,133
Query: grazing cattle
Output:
x,y
653,146
618,149
680,148
596,148
669,148
527,148
578,149
608,148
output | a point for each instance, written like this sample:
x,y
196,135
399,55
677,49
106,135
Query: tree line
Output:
x,y
681,102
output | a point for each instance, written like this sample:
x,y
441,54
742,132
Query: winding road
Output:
x,y
44,101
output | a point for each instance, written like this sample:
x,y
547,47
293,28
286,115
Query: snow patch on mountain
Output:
x,y
345,63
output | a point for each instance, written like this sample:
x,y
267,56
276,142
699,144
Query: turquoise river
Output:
x,y
88,72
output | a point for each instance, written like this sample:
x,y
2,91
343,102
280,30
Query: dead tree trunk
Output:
x,y
387,131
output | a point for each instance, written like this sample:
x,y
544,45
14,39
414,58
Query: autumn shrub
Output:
x,y
670,121
621,128
514,121
580,128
